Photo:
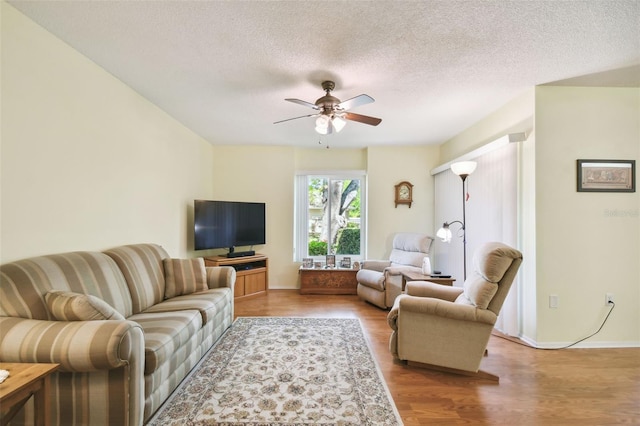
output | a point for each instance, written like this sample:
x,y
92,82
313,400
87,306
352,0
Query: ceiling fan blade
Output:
x,y
355,102
295,118
372,121
303,103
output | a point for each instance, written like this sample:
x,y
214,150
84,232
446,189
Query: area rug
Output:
x,y
284,371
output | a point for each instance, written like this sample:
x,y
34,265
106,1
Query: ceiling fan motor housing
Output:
x,y
328,86
328,103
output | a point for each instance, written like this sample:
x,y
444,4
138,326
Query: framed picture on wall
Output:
x,y
606,176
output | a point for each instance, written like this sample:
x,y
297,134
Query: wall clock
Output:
x,y
404,193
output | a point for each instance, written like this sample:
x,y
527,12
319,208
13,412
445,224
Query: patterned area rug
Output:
x,y
284,371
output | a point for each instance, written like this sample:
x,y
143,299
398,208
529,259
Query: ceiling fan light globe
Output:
x,y
338,123
322,130
322,121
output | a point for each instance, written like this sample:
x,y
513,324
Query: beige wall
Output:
x,y
587,243
266,174
513,117
262,174
387,166
578,246
86,162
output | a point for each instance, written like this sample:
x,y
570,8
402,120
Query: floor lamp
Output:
x,y
462,169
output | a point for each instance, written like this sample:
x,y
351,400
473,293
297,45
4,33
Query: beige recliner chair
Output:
x,y
380,281
448,328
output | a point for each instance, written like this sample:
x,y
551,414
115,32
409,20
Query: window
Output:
x,y
330,215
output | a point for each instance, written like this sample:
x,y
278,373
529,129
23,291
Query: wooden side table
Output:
x,y
24,381
328,281
416,276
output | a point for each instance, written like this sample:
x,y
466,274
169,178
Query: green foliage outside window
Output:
x,y
317,248
335,215
349,241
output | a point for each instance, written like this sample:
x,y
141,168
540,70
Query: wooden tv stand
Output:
x,y
252,273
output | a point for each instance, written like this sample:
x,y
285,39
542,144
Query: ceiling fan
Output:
x,y
332,113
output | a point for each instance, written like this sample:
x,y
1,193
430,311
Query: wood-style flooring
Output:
x,y
537,387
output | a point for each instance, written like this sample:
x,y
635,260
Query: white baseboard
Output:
x,y
581,345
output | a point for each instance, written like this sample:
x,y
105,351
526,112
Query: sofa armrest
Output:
x,y
376,265
78,346
429,289
445,309
221,276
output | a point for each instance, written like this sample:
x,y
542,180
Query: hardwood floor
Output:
x,y
537,387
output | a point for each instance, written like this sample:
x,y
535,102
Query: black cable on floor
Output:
x,y
613,305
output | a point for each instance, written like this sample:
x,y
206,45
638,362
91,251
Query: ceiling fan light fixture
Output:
x,y
332,114
338,123
322,130
322,124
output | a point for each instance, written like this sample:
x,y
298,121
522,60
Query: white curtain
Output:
x,y
491,215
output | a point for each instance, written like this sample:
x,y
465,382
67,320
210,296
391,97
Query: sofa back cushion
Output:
x,y
24,283
141,265
410,249
478,290
184,276
494,268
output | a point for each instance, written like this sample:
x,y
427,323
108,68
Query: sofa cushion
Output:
x,y
25,282
479,291
184,276
70,306
141,265
208,303
493,261
410,248
165,333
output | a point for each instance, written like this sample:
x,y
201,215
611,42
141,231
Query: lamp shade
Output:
x,y
464,167
444,234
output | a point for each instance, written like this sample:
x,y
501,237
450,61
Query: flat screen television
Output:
x,y
228,224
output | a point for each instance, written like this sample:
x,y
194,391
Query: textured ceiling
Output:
x,y
224,68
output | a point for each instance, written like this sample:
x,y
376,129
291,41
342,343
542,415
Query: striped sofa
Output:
x,y
122,344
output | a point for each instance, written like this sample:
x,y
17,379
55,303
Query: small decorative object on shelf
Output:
x,y
307,263
404,193
331,261
3,375
345,262
356,265
426,266
317,265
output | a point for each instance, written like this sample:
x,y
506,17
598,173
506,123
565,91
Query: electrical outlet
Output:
x,y
609,299
553,301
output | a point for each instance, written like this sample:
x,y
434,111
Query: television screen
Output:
x,y
228,224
